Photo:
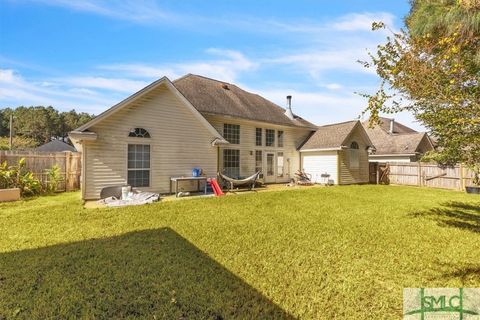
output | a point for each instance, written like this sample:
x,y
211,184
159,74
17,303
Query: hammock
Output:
x,y
238,182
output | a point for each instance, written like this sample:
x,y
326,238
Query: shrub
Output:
x,y
18,176
54,177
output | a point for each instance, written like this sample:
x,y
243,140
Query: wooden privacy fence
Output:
x,y
37,162
425,175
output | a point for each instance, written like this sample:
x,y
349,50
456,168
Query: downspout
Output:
x,y
218,160
338,166
84,157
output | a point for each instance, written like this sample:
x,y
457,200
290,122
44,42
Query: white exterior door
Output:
x,y
269,171
318,163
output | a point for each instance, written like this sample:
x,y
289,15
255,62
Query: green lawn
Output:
x,y
338,252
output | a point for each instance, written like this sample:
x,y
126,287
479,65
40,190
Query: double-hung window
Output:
x,y
280,138
138,165
270,138
258,136
231,132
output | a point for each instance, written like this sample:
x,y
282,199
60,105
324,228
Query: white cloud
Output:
x,y
139,11
333,86
318,107
316,62
228,66
94,93
112,84
7,76
362,21
15,91
150,12
140,70
326,108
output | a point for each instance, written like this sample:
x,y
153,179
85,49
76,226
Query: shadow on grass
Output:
x,y
470,271
455,214
147,274
466,274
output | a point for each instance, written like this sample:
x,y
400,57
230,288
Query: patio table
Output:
x,y
175,180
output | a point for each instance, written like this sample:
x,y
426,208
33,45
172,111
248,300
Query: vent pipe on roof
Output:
x,y
392,123
289,112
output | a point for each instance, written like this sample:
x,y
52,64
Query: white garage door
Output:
x,y
318,164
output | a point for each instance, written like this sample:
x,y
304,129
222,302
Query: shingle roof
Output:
x,y
55,146
329,136
406,142
211,96
397,126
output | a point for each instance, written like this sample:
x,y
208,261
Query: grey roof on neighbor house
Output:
x,y
330,136
214,97
397,126
404,140
55,146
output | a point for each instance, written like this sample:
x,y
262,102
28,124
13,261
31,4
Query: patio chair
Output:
x,y
302,178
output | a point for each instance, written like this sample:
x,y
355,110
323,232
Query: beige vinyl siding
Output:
x,y
292,138
348,175
179,142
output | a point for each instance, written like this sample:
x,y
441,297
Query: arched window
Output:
x,y
354,160
139,133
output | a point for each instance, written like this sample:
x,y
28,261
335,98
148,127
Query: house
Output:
x,y
339,150
168,128
395,142
55,146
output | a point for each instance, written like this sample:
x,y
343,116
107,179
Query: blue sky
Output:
x,y
91,54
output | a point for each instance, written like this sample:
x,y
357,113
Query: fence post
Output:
x,y
419,173
462,181
68,159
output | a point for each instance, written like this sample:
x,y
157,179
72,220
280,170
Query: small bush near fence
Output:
x,y
18,176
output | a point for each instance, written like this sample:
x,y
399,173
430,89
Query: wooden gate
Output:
x,y
373,172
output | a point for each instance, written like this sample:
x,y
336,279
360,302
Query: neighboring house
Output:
x,y
168,128
394,141
340,150
55,146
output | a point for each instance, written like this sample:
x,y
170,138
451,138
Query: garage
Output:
x,y
318,163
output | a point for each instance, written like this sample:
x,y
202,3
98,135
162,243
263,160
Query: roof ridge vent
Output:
x,y
225,86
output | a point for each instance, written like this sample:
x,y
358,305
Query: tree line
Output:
x,y
36,125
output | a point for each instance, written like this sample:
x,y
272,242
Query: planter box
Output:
x,y
9,194
473,189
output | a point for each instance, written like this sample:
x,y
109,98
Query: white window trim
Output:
x,y
135,140
354,154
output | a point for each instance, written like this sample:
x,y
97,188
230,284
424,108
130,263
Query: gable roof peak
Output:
x,y
333,136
